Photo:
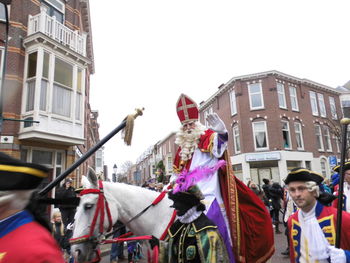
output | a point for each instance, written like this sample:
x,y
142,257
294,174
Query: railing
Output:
x,y
51,27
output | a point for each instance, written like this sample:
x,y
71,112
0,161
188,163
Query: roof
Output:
x,y
223,88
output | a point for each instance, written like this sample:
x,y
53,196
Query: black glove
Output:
x,y
154,242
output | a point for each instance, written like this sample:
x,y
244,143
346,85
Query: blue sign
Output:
x,y
332,160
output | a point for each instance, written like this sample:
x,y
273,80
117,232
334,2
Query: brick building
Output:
x,y
277,122
49,63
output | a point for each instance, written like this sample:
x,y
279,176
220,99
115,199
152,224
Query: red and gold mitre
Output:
x,y
186,109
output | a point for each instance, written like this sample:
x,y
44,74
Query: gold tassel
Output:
x,y
129,126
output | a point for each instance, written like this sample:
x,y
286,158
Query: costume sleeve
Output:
x,y
163,251
291,247
211,247
347,254
219,145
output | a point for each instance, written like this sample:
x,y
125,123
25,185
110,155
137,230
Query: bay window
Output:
x,y
61,86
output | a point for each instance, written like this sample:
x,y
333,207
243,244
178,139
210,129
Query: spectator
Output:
x,y
67,210
276,195
117,249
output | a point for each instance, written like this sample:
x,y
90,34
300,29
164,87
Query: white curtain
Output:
x,y
61,102
30,95
260,138
43,94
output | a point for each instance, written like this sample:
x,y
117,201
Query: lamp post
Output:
x,y
115,169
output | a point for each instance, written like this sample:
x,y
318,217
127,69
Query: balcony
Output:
x,y
49,26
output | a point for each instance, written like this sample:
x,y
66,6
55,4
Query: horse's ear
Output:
x,y
92,177
85,182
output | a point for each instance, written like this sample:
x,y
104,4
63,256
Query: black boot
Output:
x,y
286,252
277,230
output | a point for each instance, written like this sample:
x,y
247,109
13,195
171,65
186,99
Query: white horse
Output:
x,y
125,202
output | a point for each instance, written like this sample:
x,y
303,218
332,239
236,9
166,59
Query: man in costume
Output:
x,y
193,237
346,187
229,202
22,239
312,227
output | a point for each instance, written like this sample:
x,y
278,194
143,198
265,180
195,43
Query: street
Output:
x,y
280,246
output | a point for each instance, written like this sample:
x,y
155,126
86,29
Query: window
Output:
x,y
78,100
43,94
208,111
42,157
170,164
44,82
293,98
61,101
63,73
30,95
2,12
319,141
236,139
336,142
323,168
56,94
59,163
233,102
321,104
55,8
286,135
281,96
62,93
313,102
333,108
327,139
28,122
255,96
260,135
299,135
32,60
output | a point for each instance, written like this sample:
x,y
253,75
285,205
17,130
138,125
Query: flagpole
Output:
x,y
344,122
86,155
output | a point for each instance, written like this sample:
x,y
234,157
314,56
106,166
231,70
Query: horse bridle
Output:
x,y
101,207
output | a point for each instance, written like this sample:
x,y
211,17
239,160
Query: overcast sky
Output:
x,y
148,52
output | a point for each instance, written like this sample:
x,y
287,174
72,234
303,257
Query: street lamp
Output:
x,y
114,176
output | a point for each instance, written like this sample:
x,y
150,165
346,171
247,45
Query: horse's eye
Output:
x,y
88,206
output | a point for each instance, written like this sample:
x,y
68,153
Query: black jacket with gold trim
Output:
x,y
198,241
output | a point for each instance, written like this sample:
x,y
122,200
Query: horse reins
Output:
x,y
101,206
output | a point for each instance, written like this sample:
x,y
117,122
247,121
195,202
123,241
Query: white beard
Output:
x,y
189,141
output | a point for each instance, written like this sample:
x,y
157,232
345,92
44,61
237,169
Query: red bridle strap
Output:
x,y
101,206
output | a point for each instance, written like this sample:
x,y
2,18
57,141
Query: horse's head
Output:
x,y
92,219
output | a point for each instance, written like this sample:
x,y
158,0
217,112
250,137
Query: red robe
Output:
x,y
327,219
250,223
23,240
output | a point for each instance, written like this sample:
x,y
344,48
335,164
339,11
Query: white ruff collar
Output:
x,y
191,215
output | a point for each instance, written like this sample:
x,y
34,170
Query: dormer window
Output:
x,y
54,8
